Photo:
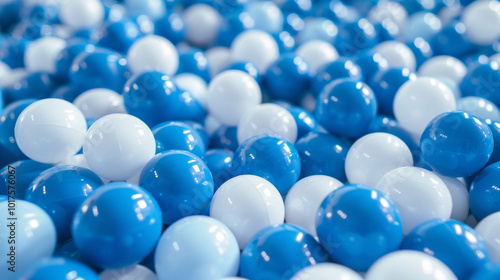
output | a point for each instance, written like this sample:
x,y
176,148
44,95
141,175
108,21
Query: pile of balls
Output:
x,y
246,139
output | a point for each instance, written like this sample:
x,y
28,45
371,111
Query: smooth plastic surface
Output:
x,y
327,271
80,14
219,163
21,174
316,53
98,102
58,268
480,107
482,20
136,272
487,228
202,24
178,136
288,77
397,54
484,193
40,56
340,68
444,66
153,53
255,46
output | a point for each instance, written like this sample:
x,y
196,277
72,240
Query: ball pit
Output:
x,y
249,139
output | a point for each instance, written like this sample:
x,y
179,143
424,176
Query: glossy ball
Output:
x,y
317,29
490,271
50,130
459,197
340,68
419,195
197,240
457,144
171,26
484,194
137,272
422,24
193,84
304,199
117,146
153,9
270,157
153,53
287,78
202,24
255,46
231,94
232,24
326,271
238,197
178,136
37,85
317,53
488,229
370,63
119,35
482,80
266,15
58,268
80,14
355,36
19,175
421,49
451,40
419,101
482,21
397,54
346,107
225,137
65,58
194,61
454,243
444,66
345,230
480,107
96,103
495,130
180,182
118,225
247,67
41,55
304,119
219,163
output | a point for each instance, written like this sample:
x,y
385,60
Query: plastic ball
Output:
x,y
136,272
451,40
278,252
316,53
340,68
117,225
35,237
305,121
202,23
25,172
419,194
489,271
267,119
287,78
231,94
65,58
171,26
153,9
225,137
218,58
444,66
397,54
326,271
421,49
480,107
117,146
270,157
232,24
153,53
346,107
96,103
304,199
405,263
371,64
317,29
50,130
58,268
454,243
194,85
194,61
178,136
247,67
488,229
119,35
392,10
482,20
459,197
238,197
255,46
41,55
355,36
79,14
199,240
482,80
422,24
266,15
495,130
484,193
219,163
37,85
419,101
457,144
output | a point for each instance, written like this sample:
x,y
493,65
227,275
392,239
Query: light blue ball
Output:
x,y
266,15
59,268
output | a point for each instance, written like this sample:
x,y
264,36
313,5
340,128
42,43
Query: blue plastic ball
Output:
x,y
13,55
69,250
170,26
247,67
454,243
322,154
285,40
340,68
484,195
30,30
66,92
65,58
36,85
489,271
495,131
287,78
278,252
346,107
225,137
337,11
59,191
305,121
194,61
457,144
302,8
181,183
19,175
119,35
175,135
355,36
232,24
118,225
370,63
357,236
270,157
422,24
219,163
266,15
318,29
483,80
201,131
59,268
421,49
293,23
451,40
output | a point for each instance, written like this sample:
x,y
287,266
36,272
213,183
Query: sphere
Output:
x,y
346,107
304,199
171,26
246,204
422,24
202,24
356,237
117,225
304,119
405,263
219,163
180,182
193,84
178,136
153,53
218,58
117,146
119,35
482,21
247,67
422,50
443,66
153,9
41,54
488,229
50,130
397,54
419,194
340,68
255,46
287,78
316,53
481,81
373,155
270,157
459,197
454,243
326,271
451,40
355,36
489,271
484,193
35,236
99,102
370,63
480,107
419,101
194,61
457,144
225,137
81,14
317,29
136,272
231,94
37,85
199,240
23,172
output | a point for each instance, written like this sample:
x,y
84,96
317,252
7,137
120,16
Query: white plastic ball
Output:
x,y
409,265
397,54
202,24
153,53
419,194
391,10
117,146
50,130
459,197
153,9
443,66
482,20
218,58
98,102
267,118
255,46
480,107
136,272
304,199
14,76
317,53
41,54
211,125
5,72
326,271
489,229
231,94
267,16
246,204
81,14
195,85
419,101
373,155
